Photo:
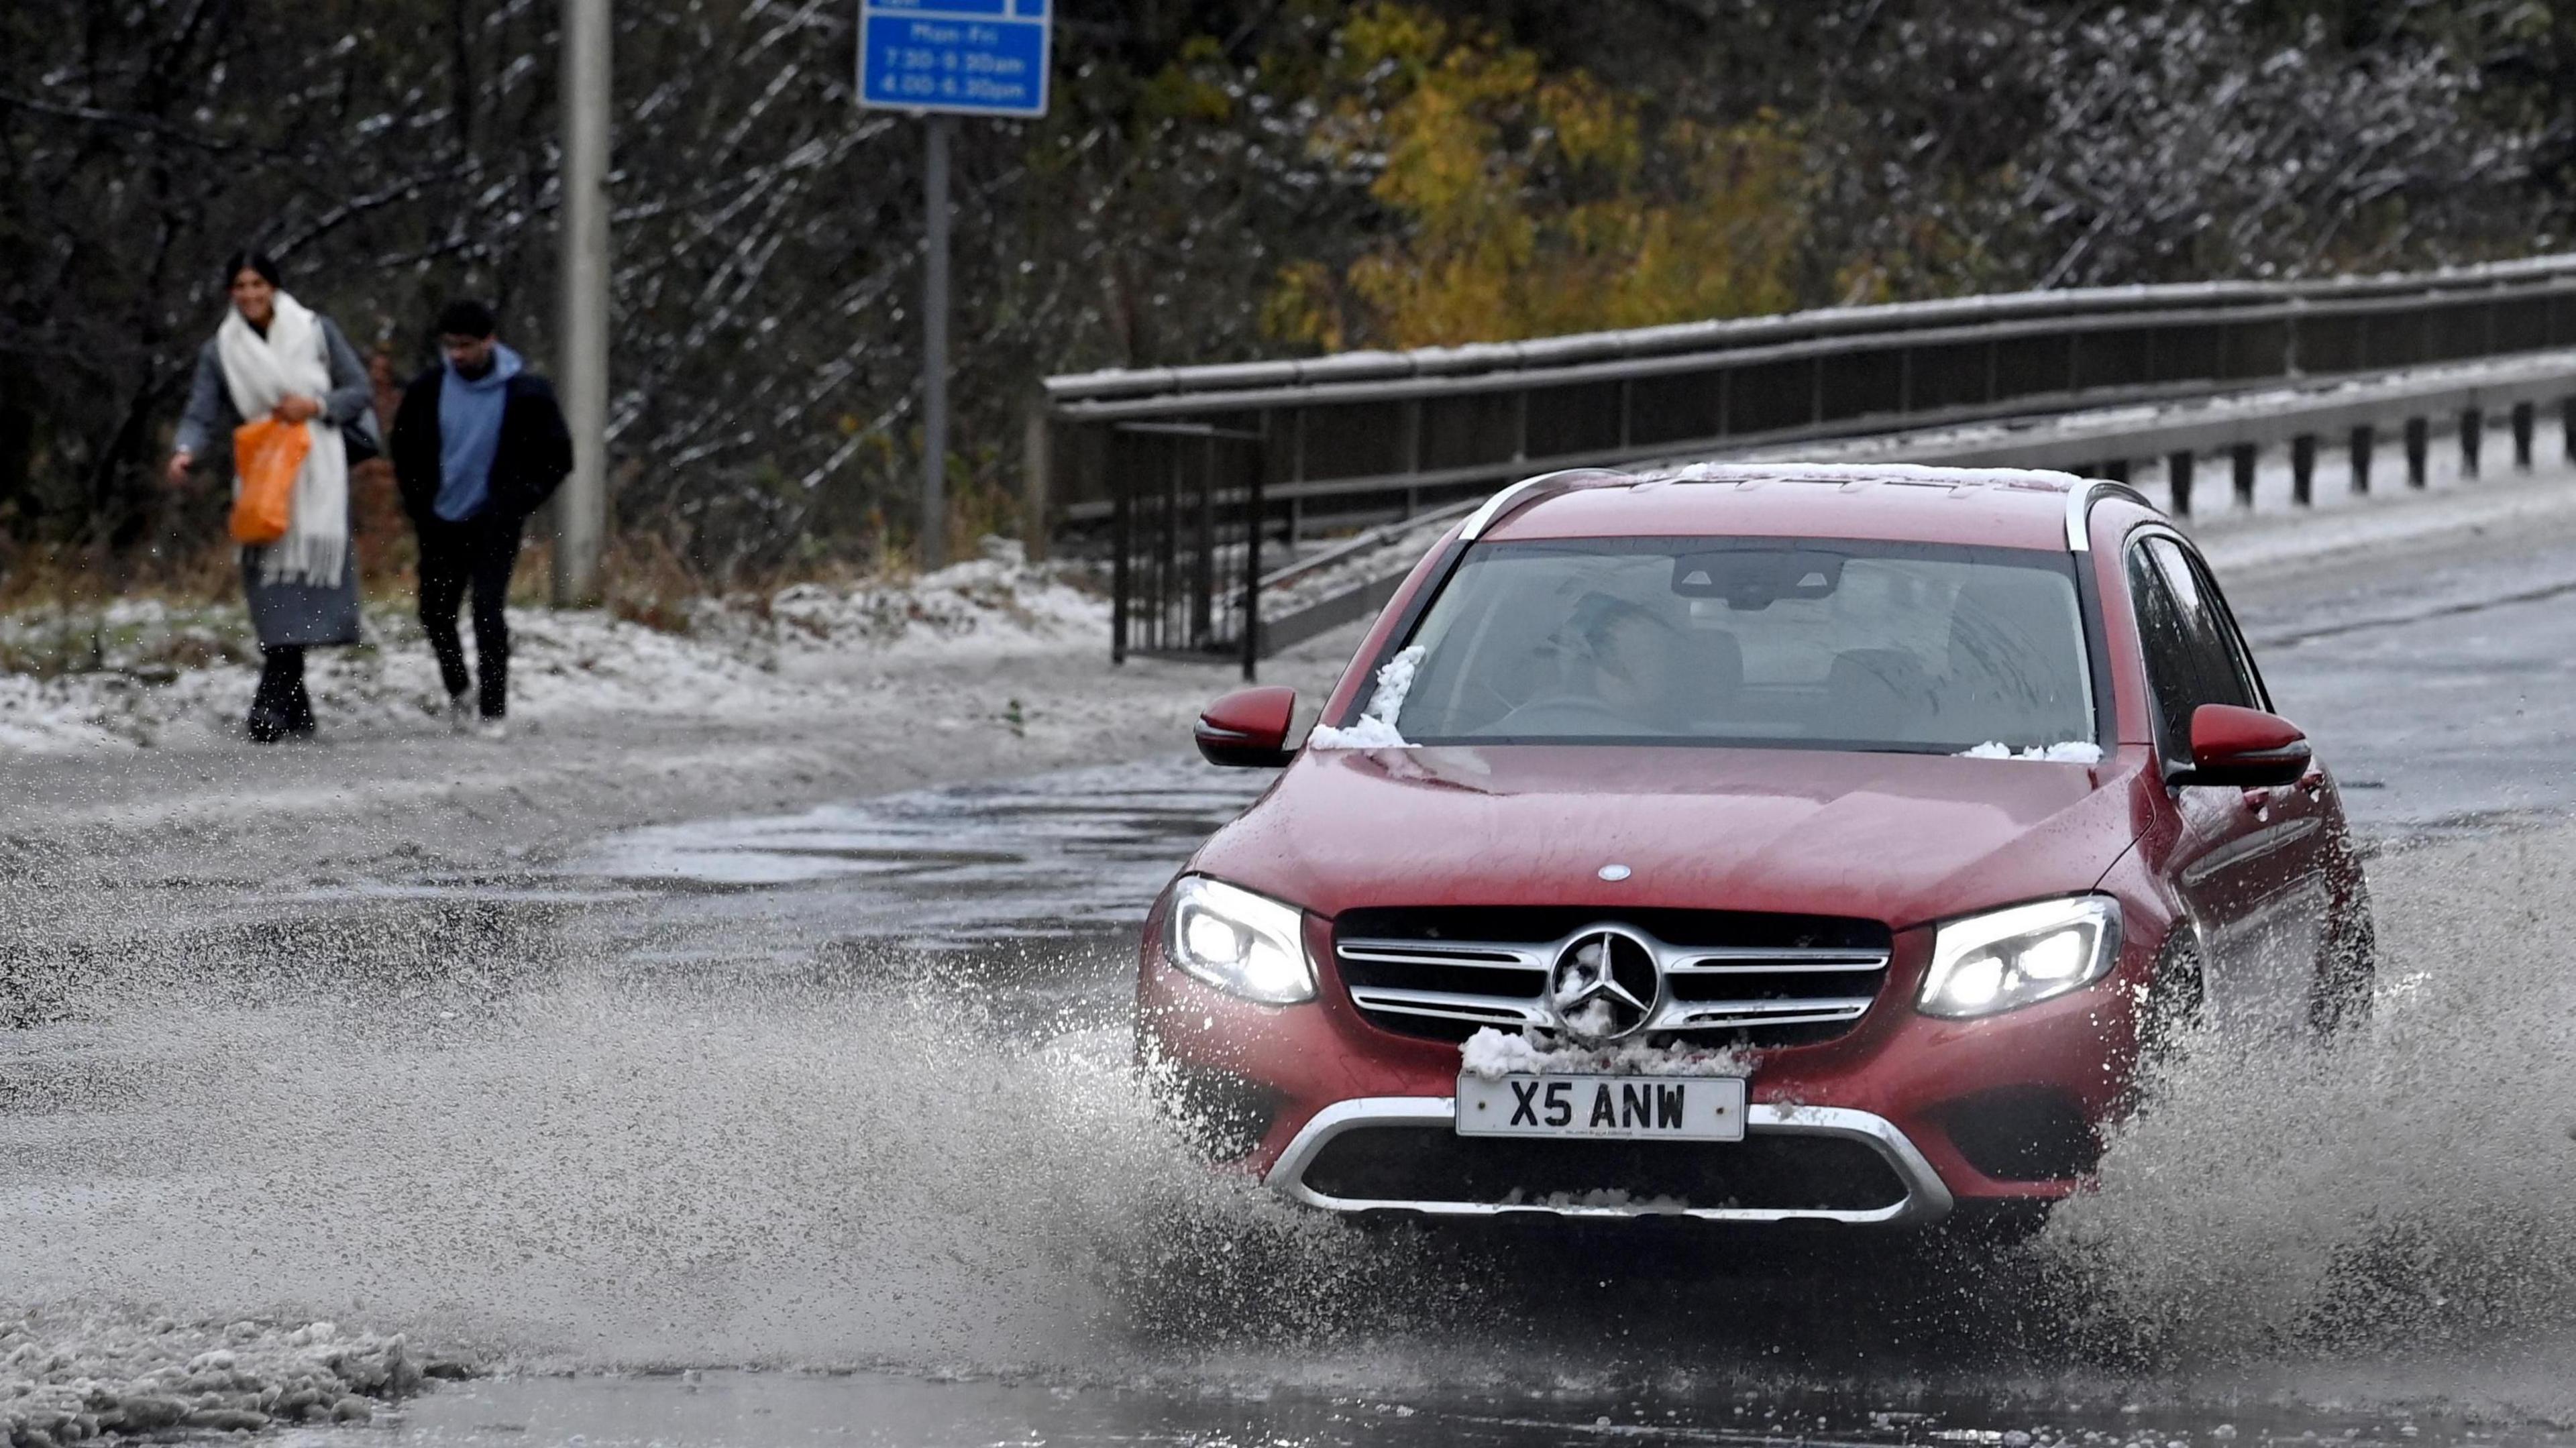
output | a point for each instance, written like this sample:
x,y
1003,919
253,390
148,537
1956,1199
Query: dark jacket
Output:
x,y
531,459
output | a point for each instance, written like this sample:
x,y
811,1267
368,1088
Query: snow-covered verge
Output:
x,y
562,663
69,1382
1494,1054
142,673
996,605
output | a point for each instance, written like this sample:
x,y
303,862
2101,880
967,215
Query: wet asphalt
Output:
x,y
2439,689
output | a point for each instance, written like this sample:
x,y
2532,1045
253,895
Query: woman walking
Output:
x,y
273,357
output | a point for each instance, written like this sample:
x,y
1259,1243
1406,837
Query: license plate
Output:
x,y
1629,1108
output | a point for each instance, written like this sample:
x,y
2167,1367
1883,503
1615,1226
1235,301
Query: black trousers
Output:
x,y
280,706
480,554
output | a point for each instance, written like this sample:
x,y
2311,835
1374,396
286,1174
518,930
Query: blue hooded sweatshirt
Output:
x,y
469,433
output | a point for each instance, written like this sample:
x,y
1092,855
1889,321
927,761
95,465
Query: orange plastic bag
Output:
x,y
267,455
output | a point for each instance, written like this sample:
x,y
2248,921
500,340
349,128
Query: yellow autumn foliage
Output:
x,y
1534,204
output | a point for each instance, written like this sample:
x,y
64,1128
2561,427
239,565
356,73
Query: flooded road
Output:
x,y
818,1127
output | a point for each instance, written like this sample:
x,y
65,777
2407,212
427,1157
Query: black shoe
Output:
x,y
264,727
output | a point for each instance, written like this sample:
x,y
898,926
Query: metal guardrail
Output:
x,y
1187,470
2457,402
2355,417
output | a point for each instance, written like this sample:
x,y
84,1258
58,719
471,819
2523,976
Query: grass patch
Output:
x,y
145,640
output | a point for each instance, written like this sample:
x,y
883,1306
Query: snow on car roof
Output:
x,y
2046,480
1895,502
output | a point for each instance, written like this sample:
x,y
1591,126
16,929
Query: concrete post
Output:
x,y
581,516
1036,448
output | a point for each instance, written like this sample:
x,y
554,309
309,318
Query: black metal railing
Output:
x,y
1185,562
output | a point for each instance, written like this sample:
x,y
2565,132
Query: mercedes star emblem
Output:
x,y
1605,986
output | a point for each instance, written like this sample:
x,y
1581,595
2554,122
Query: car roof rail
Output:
x,y
2079,499
2079,509
1531,490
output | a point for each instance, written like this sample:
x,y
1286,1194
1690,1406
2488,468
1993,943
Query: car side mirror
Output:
x,y
1248,729
2243,747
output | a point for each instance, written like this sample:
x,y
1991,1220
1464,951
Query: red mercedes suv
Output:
x,y
1750,843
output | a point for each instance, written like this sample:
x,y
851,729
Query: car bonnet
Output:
x,y
1901,838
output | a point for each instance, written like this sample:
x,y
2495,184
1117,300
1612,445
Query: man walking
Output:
x,y
478,444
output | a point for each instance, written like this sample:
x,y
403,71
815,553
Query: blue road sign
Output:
x,y
967,57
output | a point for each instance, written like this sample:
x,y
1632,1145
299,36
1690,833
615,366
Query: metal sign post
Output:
x,y
934,344
943,58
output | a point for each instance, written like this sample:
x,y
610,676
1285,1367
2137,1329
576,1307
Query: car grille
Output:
x,y
1730,977
1763,1172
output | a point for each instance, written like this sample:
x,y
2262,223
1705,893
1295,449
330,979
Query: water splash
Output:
x,y
2405,1189
609,1176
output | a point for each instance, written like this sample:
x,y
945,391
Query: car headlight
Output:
x,y
1241,943
2009,958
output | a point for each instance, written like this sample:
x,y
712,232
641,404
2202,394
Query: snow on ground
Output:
x,y
995,605
69,1381
142,672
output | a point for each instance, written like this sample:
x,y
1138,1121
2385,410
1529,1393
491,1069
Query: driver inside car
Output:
x,y
1623,658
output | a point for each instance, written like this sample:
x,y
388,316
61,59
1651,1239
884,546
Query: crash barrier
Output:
x,y
1201,483
2410,408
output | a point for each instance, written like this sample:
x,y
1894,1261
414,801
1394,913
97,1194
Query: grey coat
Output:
x,y
286,613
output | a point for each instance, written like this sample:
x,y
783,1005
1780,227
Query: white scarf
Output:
x,y
294,359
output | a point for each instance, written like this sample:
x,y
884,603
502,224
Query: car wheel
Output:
x,y
2349,974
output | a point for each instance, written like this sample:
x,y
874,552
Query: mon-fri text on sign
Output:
x,y
970,57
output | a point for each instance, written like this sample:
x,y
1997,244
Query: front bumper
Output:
x,y
1925,1199
1910,1103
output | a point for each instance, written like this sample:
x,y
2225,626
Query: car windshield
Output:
x,y
1793,643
